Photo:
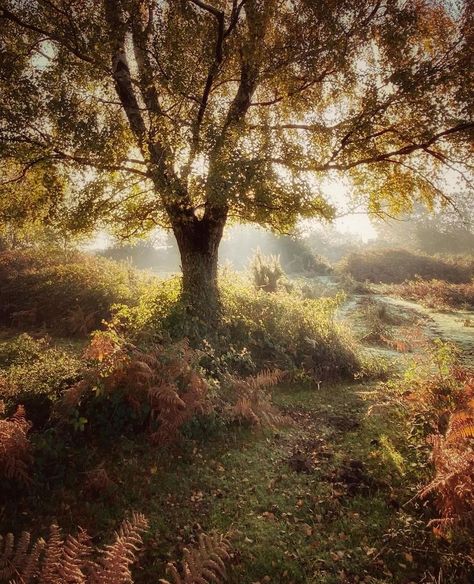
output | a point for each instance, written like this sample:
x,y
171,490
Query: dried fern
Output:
x,y
461,427
69,561
251,403
204,564
15,454
453,484
114,566
166,380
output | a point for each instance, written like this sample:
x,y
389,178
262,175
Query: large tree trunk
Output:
x,y
198,242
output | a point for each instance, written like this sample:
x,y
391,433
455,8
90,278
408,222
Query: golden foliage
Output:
x,y
204,564
15,454
69,560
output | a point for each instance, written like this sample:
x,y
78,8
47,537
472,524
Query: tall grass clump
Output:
x,y
394,266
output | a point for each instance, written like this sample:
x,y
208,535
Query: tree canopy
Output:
x,y
187,113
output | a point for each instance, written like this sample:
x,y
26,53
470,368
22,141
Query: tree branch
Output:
x,y
382,157
8,15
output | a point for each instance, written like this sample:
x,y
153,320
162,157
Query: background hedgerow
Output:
x,y
394,266
68,293
436,293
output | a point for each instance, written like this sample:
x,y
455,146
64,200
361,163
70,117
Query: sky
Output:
x,y
338,192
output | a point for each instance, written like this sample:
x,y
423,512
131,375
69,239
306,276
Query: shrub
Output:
x,y
36,376
66,293
393,266
159,389
284,331
15,451
436,293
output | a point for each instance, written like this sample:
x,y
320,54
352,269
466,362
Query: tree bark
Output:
x,y
198,243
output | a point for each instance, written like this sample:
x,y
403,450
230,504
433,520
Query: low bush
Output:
x,y
67,293
35,375
394,266
436,293
287,332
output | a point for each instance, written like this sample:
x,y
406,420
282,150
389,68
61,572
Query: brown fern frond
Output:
x,y
31,566
461,427
75,558
15,452
51,565
98,481
264,379
453,484
18,561
203,564
114,566
166,394
252,404
68,561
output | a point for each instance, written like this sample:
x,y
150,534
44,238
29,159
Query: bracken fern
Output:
x,y
204,564
70,560
15,453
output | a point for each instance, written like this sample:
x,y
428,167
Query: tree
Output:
x,y
446,230
188,113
